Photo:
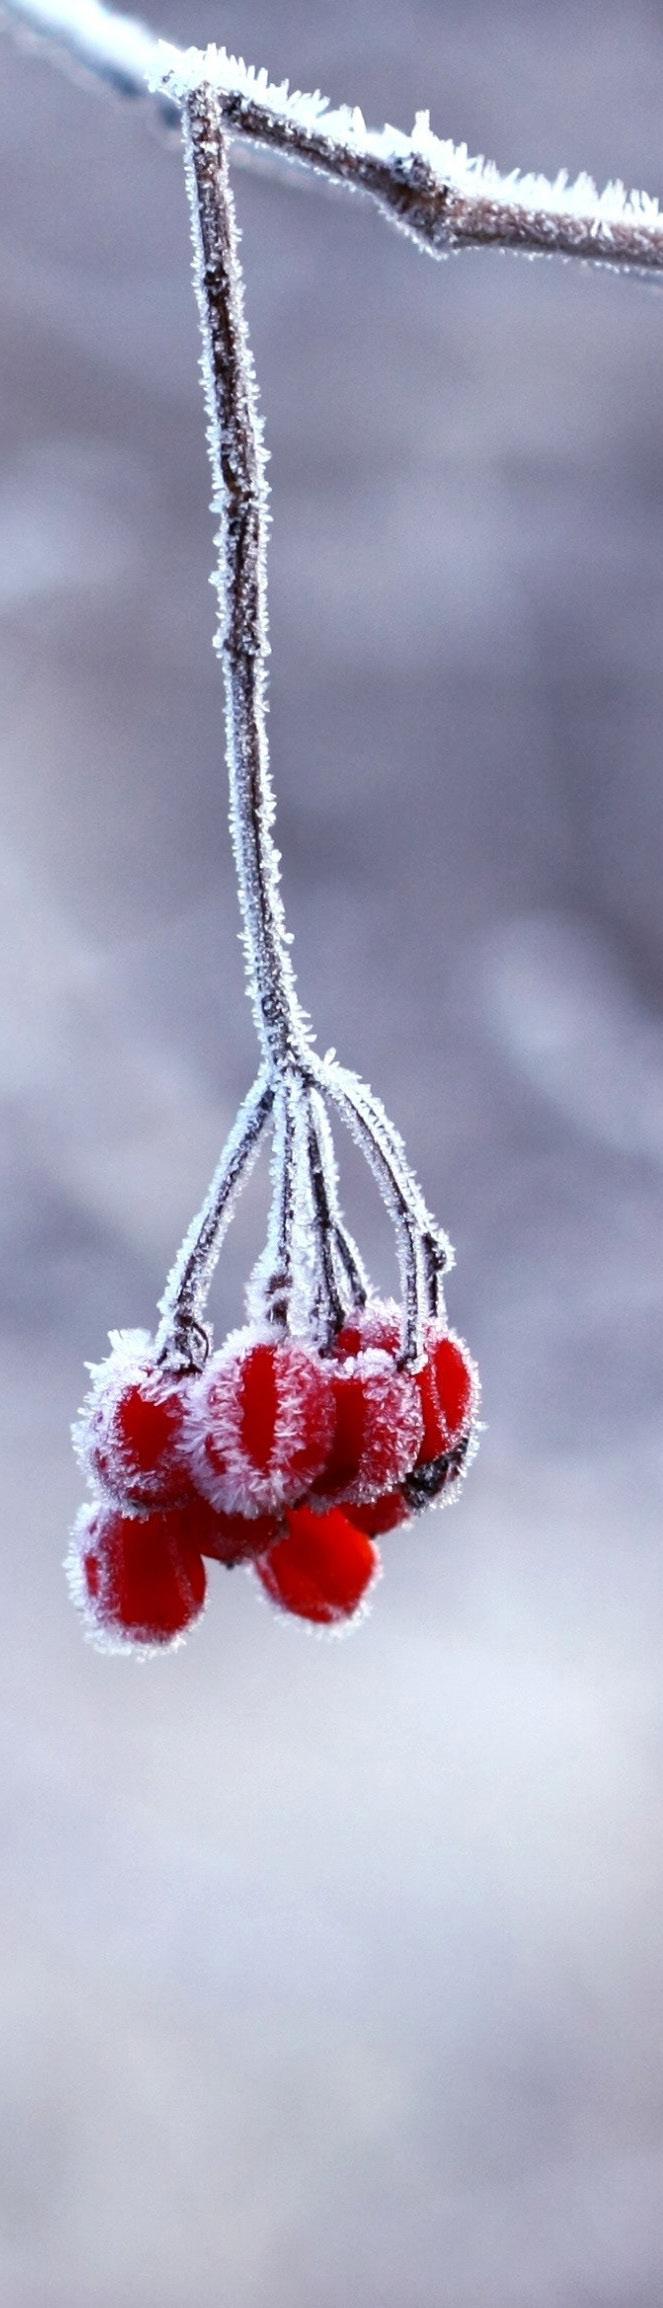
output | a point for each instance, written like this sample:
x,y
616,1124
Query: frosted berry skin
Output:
x,y
321,1569
135,1577
378,1428
447,1384
448,1389
259,1424
377,1324
448,1392
130,1432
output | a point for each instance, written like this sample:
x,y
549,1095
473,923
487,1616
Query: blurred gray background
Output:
x,y
332,1972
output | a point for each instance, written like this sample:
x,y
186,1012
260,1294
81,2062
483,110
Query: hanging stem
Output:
x,y
347,1257
280,1281
304,1181
182,1340
270,1289
424,1250
240,498
408,1231
434,1248
342,1281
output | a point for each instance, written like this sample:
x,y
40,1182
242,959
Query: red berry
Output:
x,y
228,1539
448,1390
139,1582
260,1423
130,1432
383,1514
321,1569
377,1430
378,1323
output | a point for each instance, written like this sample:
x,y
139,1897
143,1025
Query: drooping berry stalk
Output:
x,y
330,1417
303,1164
240,498
343,1270
181,1339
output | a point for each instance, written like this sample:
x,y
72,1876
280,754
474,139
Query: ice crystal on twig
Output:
x,y
435,190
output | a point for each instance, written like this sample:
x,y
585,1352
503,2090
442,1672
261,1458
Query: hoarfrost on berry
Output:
x,y
449,1391
129,1433
260,1422
378,1428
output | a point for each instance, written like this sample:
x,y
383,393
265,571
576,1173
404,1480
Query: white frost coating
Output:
x,y
477,178
179,72
423,1249
218,1449
289,120
517,209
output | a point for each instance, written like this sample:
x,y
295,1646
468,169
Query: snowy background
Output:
x,y
333,1974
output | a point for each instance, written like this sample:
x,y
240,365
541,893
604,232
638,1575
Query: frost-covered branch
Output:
x,y
433,189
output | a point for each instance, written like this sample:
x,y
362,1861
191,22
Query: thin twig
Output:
x,y
181,1338
433,189
270,1289
405,1214
240,498
343,1279
334,1080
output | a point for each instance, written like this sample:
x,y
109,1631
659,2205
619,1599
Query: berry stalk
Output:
x,y
297,1085
182,1339
327,1405
240,497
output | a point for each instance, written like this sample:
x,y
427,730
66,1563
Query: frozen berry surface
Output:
x,y
448,1391
130,1433
378,1428
260,1424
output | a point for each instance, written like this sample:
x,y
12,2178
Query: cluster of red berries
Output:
x,y
277,1455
